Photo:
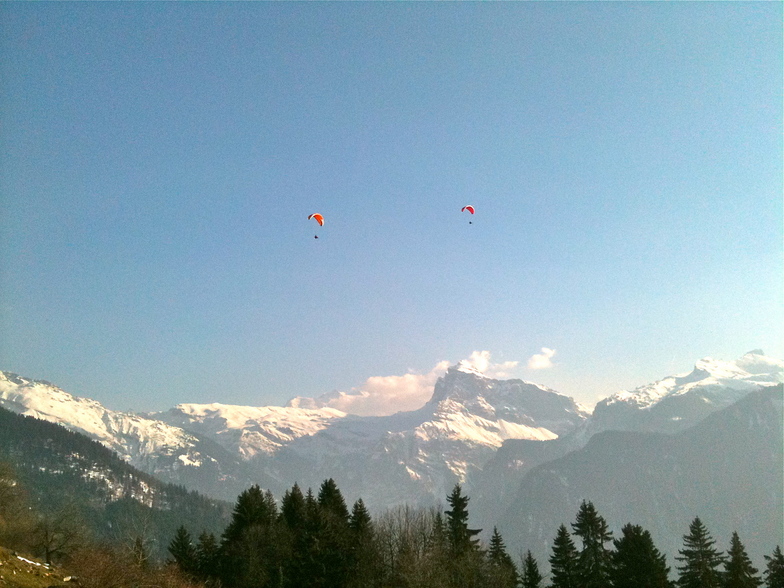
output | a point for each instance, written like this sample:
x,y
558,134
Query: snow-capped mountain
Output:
x,y
669,405
411,456
678,402
134,438
247,430
725,469
476,430
417,456
149,444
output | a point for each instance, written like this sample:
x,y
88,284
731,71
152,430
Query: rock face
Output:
x,y
416,457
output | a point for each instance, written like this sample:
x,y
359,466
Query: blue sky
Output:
x,y
159,162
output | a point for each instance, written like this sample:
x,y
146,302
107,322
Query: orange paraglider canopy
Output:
x,y
318,218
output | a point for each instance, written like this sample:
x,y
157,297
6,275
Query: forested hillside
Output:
x,y
73,482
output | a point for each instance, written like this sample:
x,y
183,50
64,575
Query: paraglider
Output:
x,y
319,219
470,209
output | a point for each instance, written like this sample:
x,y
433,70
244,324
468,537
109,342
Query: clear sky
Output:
x,y
159,162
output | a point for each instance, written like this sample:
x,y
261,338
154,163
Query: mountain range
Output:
x,y
497,437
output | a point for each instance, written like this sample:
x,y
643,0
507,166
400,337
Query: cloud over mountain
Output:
x,y
386,395
543,360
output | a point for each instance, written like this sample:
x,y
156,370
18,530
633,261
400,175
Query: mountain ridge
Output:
x,y
475,430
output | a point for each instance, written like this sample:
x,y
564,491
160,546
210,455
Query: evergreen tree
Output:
x,y
363,555
251,544
700,559
313,569
252,509
333,535
465,560
182,551
331,500
207,558
636,563
293,508
593,569
738,571
437,549
531,576
294,519
563,561
774,571
503,570
461,538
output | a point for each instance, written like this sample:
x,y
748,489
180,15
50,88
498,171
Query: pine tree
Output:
x,y
593,569
182,551
437,548
502,567
251,544
363,555
461,538
563,561
293,508
531,576
207,558
333,536
331,500
636,563
700,559
738,571
294,519
465,561
252,508
774,571
313,570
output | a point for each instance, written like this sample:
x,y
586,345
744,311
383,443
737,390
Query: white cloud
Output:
x,y
480,360
541,361
384,395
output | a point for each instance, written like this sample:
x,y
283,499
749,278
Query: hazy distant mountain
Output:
x,y
678,402
666,406
727,470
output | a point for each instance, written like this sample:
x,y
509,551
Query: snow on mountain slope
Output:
x,y
247,430
417,456
669,405
151,445
677,402
133,437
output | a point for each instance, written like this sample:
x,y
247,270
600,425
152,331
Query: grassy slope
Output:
x,y
18,573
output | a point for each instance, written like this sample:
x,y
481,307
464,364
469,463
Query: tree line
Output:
x,y
314,540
